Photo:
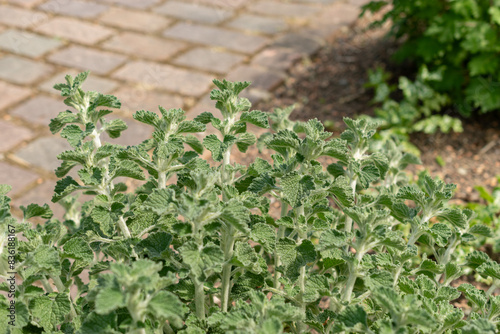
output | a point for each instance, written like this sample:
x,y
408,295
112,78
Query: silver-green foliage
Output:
x,y
355,248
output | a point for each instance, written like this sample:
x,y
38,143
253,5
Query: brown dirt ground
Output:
x,y
330,86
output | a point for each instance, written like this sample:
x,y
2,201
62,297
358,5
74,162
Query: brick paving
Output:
x,y
146,52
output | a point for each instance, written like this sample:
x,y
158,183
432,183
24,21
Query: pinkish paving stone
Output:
x,y
228,4
216,37
87,59
39,196
143,46
255,23
16,177
277,58
21,18
261,78
137,98
40,109
43,152
26,43
75,30
338,14
210,60
12,135
10,94
140,4
194,12
22,71
134,20
25,3
74,8
93,83
282,9
166,77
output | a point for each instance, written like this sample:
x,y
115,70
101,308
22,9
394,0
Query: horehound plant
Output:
x,y
352,247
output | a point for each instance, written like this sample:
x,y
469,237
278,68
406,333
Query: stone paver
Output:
x,y
13,135
165,77
74,8
87,59
40,196
261,78
22,71
210,60
93,82
147,47
74,30
277,58
216,37
39,110
10,94
147,53
26,43
248,22
20,17
301,43
16,177
25,3
134,20
140,4
234,4
43,152
141,98
194,12
275,8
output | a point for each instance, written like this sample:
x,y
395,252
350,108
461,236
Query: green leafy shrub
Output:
x,y
416,111
457,39
354,248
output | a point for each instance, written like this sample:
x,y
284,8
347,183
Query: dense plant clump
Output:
x,y
199,248
454,44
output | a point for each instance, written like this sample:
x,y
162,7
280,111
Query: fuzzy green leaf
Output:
x,y
155,244
191,127
265,235
65,187
109,299
165,305
115,127
202,259
245,140
147,117
50,311
77,248
35,210
235,213
255,117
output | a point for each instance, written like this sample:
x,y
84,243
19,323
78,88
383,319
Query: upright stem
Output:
x,y
199,298
226,269
281,234
228,240
302,271
353,275
123,227
61,288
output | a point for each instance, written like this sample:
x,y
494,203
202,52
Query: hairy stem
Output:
x,y
281,234
302,275
61,289
199,298
226,269
353,275
123,227
46,285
